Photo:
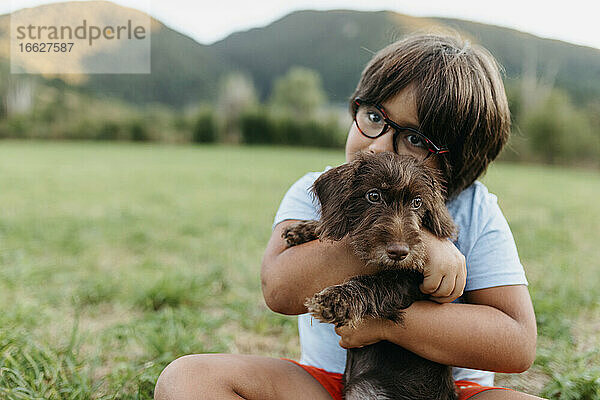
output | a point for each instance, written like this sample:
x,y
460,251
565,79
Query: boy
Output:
x,y
438,99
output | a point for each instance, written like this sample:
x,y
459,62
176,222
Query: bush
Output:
x,y
138,132
557,132
16,127
262,126
205,128
109,131
258,128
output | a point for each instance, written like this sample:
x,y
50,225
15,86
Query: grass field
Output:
x,y
117,258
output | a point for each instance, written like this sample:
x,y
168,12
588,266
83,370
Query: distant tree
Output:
x,y
3,89
205,127
138,131
593,111
299,92
236,95
537,80
556,131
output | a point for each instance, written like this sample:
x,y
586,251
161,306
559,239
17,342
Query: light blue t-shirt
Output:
x,y
484,239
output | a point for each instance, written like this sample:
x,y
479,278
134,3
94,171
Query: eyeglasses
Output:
x,y
372,121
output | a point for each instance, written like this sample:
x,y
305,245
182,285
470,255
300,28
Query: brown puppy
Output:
x,y
380,202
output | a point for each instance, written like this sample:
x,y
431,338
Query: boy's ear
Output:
x,y
437,219
333,189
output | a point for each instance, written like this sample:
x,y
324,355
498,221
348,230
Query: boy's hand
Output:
x,y
445,270
368,331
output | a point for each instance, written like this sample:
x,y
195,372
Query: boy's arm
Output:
x,y
496,332
291,275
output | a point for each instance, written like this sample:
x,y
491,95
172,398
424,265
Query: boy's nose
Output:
x,y
381,144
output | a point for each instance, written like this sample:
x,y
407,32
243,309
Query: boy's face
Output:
x,y
401,109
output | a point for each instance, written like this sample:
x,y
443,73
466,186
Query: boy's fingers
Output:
x,y
442,300
461,281
446,287
456,293
431,283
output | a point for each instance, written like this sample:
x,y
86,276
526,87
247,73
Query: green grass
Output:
x,y
117,258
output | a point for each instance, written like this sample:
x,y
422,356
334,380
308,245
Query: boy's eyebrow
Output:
x,y
404,123
408,125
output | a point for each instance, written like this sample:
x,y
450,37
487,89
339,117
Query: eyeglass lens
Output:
x,y
371,122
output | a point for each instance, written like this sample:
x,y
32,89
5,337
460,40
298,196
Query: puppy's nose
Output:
x,y
397,251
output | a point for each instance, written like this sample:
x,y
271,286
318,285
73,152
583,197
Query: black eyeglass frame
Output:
x,y
431,147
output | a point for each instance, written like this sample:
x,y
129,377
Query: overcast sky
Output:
x,y
574,21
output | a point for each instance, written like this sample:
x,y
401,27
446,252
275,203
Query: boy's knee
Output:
x,y
183,378
167,381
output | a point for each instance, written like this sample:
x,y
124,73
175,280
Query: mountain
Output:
x,y
576,69
183,70
337,44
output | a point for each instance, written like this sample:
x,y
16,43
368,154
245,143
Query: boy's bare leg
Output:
x,y
228,376
500,394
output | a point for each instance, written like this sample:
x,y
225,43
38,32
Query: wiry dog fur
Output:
x,y
380,202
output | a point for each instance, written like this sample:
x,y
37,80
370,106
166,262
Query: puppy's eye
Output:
x,y
373,196
416,203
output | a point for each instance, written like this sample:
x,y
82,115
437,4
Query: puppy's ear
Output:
x,y
333,190
437,219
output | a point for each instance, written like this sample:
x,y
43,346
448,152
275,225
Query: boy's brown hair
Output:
x,y
460,99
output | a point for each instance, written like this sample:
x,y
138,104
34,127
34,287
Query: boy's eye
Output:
x,y
374,117
416,203
373,196
415,140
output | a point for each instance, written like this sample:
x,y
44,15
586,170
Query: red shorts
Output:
x,y
332,382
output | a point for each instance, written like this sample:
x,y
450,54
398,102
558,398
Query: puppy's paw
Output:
x,y
299,233
332,305
291,236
